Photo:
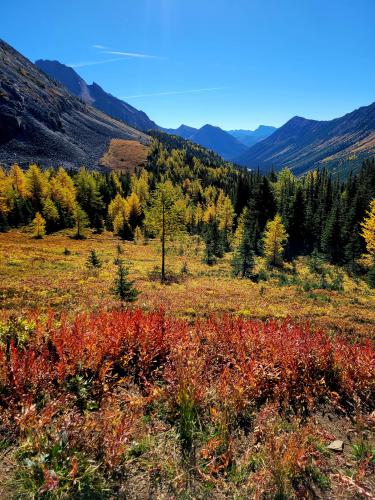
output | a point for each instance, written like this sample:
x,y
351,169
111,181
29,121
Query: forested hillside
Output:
x,y
187,313
209,197
258,367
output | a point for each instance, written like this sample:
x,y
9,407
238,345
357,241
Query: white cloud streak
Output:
x,y
120,56
174,92
92,63
107,50
130,54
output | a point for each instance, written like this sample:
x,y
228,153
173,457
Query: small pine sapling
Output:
x,y
184,268
124,289
93,260
119,252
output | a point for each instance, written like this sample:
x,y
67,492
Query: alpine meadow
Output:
x,y
187,311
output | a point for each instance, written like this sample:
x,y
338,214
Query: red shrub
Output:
x,y
241,361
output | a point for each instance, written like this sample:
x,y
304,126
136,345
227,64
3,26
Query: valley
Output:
x,y
185,313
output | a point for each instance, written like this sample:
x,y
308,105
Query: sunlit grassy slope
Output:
x,y
39,274
125,156
101,401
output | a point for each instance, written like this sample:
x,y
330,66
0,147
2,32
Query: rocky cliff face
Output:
x,y
93,94
41,121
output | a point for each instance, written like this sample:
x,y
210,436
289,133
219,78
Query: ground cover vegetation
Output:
x,y
191,330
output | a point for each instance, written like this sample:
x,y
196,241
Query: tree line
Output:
x,y
187,189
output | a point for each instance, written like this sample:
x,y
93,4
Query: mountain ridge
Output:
x,y
211,137
303,144
250,137
41,121
183,131
95,95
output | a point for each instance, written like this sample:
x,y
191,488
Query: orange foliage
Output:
x,y
245,361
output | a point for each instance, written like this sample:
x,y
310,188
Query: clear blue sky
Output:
x,y
231,63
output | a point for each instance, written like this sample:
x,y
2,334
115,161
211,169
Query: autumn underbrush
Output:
x,y
132,404
51,273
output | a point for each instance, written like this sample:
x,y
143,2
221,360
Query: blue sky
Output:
x,y
235,64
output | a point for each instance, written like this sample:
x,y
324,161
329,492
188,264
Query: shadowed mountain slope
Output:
x,y
95,95
303,144
41,121
211,137
251,137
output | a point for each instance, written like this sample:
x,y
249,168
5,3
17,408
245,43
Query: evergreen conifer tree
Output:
x,y
209,253
125,232
81,221
331,241
214,241
243,256
124,288
93,260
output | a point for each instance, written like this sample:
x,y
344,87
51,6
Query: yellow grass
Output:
x,y
37,274
125,155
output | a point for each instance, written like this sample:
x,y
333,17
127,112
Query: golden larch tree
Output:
x,y
274,240
166,216
39,226
118,213
368,229
37,185
18,181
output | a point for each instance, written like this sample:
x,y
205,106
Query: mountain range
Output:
x,y
303,144
50,115
251,137
41,121
213,138
228,144
208,136
95,96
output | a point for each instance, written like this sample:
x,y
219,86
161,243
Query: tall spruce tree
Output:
x,y
214,241
81,223
243,255
331,241
296,226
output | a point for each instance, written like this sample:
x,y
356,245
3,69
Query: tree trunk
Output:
x,y
163,245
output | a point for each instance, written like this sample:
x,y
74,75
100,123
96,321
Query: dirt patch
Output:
x,y
351,475
125,155
7,471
